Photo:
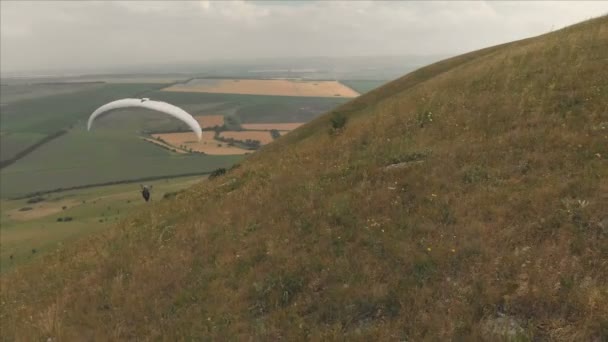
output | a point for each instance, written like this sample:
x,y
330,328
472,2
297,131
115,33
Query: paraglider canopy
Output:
x,y
158,106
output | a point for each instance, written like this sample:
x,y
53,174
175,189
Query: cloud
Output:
x,y
94,34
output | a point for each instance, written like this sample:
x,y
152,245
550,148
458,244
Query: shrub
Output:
x,y
338,121
475,174
25,209
275,134
217,172
35,200
424,118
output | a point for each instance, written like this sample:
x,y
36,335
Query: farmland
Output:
x,y
119,153
27,121
19,92
210,121
207,145
81,158
49,114
271,126
274,87
262,137
253,108
363,86
12,143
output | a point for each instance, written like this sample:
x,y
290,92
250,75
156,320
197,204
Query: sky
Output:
x,y
50,35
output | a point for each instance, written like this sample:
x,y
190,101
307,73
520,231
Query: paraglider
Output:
x,y
158,106
145,192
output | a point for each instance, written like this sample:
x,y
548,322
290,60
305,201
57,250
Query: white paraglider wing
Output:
x,y
159,106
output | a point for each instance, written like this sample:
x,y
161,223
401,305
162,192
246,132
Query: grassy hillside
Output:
x,y
466,200
42,228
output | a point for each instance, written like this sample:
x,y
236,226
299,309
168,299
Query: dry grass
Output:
x,y
267,87
502,212
210,121
208,144
271,126
39,210
262,137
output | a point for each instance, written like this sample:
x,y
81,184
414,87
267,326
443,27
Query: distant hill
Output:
x,y
464,201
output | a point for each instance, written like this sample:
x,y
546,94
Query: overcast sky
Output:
x,y
43,35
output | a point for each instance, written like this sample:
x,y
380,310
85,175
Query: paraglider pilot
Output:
x,y
145,192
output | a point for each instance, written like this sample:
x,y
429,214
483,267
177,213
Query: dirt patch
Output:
x,y
41,209
266,87
270,126
207,144
262,137
210,121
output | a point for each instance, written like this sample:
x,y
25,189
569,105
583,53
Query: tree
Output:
x,y
275,133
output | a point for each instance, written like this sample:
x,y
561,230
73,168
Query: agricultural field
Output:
x,y
261,136
252,108
210,121
28,121
207,145
12,143
115,142
33,223
275,87
49,114
271,126
19,92
165,145
363,86
100,156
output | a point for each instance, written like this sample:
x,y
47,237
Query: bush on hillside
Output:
x,y
217,173
338,121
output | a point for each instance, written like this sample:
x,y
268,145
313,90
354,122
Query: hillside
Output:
x,y
490,222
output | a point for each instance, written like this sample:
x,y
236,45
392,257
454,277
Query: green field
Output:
x,y
90,209
18,92
45,115
52,113
112,151
363,86
12,143
255,108
99,156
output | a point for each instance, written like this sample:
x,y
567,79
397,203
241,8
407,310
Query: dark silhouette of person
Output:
x,y
145,192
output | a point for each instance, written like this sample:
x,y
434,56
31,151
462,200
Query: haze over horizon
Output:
x,y
93,35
